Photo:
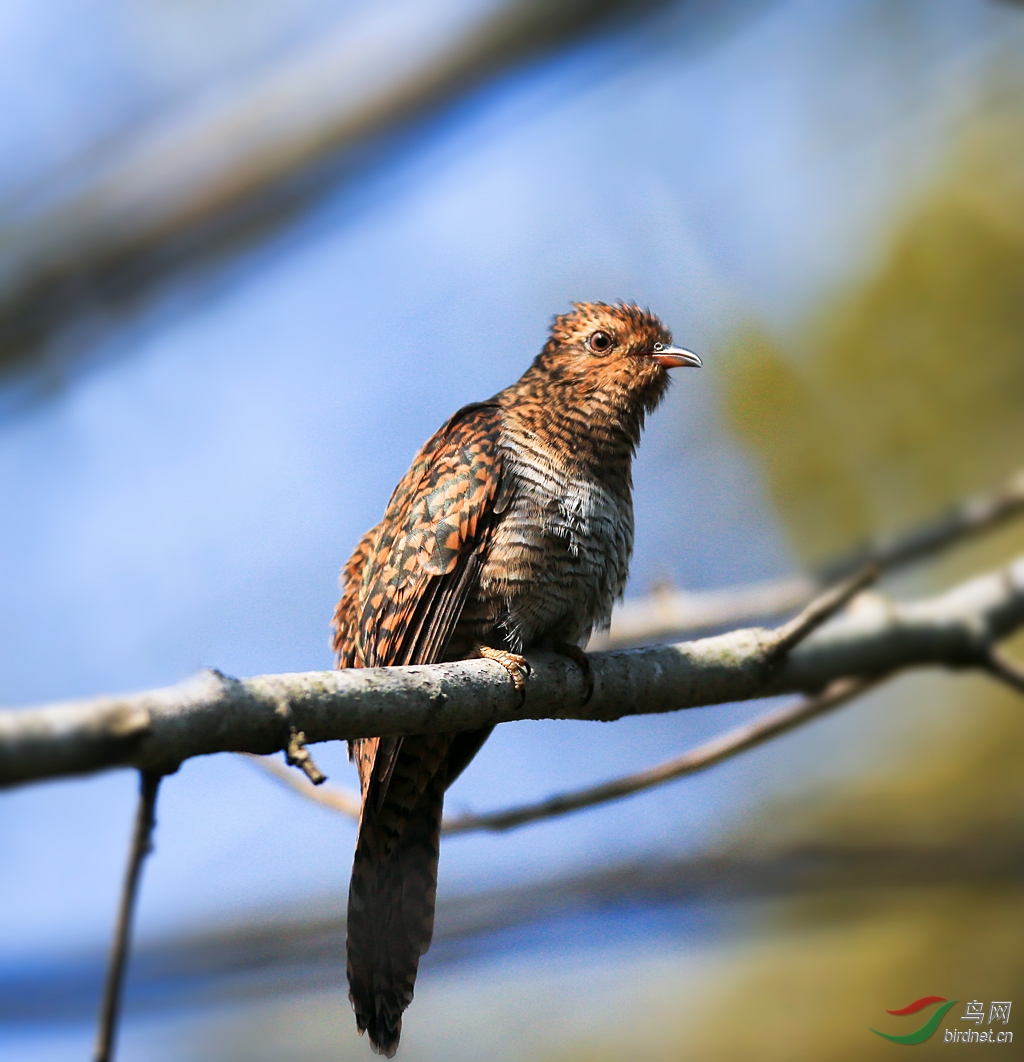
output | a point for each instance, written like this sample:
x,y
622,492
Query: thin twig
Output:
x,y
821,609
332,797
1001,667
145,819
298,755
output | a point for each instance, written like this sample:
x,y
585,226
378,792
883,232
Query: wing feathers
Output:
x,y
430,531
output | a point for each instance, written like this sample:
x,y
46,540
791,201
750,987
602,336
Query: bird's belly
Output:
x,y
558,558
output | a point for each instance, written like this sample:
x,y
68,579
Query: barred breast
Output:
x,y
559,555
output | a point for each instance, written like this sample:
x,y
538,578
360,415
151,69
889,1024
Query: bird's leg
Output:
x,y
582,661
517,666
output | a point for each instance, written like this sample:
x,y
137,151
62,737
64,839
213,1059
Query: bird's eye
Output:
x,y
600,342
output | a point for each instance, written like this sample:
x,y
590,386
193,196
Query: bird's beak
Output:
x,y
670,357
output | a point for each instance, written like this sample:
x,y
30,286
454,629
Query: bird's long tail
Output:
x,y
394,886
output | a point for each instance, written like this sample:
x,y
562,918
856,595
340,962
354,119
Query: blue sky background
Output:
x,y
190,499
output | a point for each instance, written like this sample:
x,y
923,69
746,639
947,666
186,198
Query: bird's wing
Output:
x,y
405,586
430,543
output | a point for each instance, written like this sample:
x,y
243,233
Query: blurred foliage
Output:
x,y
907,394
816,972
922,374
773,411
815,992
831,964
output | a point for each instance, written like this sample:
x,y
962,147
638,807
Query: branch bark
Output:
x,y
210,712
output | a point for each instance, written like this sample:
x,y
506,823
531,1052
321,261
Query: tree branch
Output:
x,y
784,638
675,612
985,512
213,713
769,725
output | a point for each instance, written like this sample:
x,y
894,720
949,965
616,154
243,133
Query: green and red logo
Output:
x,y
919,1035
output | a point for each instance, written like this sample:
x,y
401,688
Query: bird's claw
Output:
x,y
517,666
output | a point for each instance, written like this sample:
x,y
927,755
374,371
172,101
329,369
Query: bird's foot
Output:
x,y
582,661
517,666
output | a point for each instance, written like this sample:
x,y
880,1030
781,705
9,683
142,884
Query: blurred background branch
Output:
x,y
674,612
201,185
261,960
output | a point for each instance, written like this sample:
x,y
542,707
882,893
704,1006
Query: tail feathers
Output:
x,y
392,895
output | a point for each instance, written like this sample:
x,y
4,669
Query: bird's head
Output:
x,y
621,353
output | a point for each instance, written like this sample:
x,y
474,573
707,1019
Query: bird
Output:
x,y
512,530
